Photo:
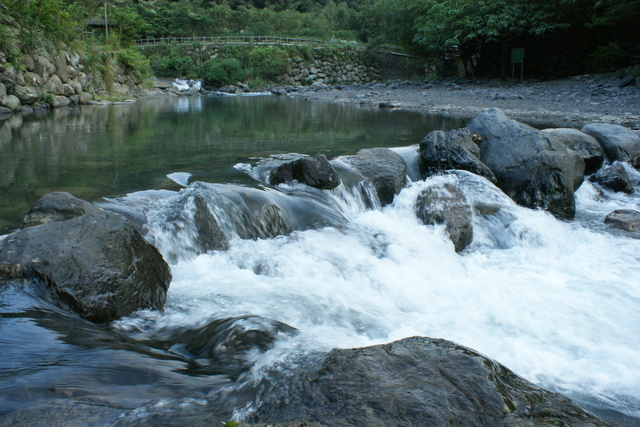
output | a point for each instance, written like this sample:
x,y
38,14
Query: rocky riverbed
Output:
x,y
572,102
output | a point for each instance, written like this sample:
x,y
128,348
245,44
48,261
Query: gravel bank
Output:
x,y
570,102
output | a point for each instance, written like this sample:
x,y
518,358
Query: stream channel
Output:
x,y
557,302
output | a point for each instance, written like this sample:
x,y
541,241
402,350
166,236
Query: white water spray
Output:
x,y
557,302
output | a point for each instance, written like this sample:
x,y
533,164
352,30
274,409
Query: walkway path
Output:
x,y
246,40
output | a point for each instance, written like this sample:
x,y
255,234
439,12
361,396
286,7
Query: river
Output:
x,y
557,302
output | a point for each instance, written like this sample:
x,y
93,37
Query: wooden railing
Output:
x,y
245,40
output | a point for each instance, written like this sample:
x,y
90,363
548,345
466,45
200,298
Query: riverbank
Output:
x,y
570,102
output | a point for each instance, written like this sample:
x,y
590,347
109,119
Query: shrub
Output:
x,y
135,62
607,58
221,72
268,62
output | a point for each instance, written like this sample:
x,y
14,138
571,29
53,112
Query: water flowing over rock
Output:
x,y
614,177
533,170
184,225
222,345
316,172
386,170
57,206
619,143
455,149
204,217
625,219
446,204
97,264
580,142
415,381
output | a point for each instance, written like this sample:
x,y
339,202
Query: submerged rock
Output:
x,y
532,169
447,204
97,264
415,381
619,143
183,225
386,170
441,151
585,145
222,345
614,177
316,172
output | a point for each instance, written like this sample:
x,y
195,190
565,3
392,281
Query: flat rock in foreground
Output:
x,y
416,381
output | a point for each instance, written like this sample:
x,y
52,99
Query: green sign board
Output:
x,y
517,55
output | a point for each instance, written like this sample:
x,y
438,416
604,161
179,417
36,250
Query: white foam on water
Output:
x,y
180,178
557,302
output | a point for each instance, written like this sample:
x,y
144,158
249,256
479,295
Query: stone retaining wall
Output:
x,y
308,66
330,71
55,80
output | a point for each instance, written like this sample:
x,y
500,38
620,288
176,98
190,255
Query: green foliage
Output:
x,y
101,63
267,62
173,61
607,58
48,99
131,26
479,34
221,72
136,63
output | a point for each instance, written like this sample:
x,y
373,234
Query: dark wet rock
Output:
x,y
625,219
533,170
583,144
222,345
446,204
58,206
614,177
627,81
97,264
386,170
279,91
619,143
415,381
389,104
315,172
441,151
210,236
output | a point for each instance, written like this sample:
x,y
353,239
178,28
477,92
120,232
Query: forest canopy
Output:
x,y
560,37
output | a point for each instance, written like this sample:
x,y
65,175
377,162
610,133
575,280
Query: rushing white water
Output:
x,y
557,302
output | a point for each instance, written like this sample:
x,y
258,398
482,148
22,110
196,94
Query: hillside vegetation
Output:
x,y
454,37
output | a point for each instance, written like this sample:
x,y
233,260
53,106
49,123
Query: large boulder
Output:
x,y
619,143
532,169
11,102
53,85
386,170
614,177
625,219
583,144
57,206
315,172
446,204
415,382
456,149
97,265
26,94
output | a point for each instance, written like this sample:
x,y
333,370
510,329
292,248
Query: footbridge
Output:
x,y
246,40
